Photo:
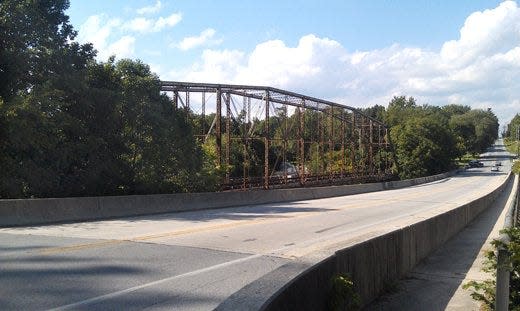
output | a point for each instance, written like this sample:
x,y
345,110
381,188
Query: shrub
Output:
x,y
484,291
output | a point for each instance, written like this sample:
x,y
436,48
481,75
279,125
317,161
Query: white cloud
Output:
x,y
481,68
205,37
140,24
220,66
484,34
146,25
123,48
150,9
98,29
114,37
169,21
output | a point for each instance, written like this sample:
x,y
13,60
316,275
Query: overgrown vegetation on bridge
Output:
x,y
74,126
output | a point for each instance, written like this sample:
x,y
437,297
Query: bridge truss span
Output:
x,y
263,137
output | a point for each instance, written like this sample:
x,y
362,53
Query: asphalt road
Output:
x,y
195,260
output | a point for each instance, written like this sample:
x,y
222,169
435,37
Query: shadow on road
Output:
x,y
33,280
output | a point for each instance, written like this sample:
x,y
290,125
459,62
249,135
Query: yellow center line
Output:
x,y
232,224
78,247
236,223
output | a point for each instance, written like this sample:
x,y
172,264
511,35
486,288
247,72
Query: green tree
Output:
x,y
377,112
161,150
71,126
399,110
453,109
486,128
512,127
463,129
36,41
423,147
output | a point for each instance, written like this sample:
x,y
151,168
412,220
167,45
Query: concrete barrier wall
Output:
x,y
42,211
372,264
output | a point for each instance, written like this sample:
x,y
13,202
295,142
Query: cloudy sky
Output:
x,y
355,52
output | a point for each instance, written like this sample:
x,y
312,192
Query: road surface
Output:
x,y
195,260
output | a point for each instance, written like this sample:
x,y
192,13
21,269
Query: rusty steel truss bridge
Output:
x,y
263,137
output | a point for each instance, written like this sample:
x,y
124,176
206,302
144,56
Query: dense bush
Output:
x,y
71,126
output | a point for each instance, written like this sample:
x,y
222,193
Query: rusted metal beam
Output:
x,y
266,142
228,135
208,87
301,138
302,122
218,131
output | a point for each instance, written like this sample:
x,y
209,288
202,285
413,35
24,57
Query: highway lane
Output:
x,y
195,260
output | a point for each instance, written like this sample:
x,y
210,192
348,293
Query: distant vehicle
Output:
x,y
498,163
475,163
284,169
495,168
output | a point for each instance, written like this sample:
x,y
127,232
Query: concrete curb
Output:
x,y
372,264
53,210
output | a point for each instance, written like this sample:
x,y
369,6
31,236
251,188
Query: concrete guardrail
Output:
x,y
372,264
23,212
503,260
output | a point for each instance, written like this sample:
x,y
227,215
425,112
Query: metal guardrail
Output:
x,y
503,260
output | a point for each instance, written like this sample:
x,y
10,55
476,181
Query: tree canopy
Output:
x,y
71,126
428,139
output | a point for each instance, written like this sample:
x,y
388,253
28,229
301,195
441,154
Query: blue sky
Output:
x,y
359,53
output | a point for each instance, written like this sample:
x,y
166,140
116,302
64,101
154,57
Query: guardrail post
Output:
x,y
502,284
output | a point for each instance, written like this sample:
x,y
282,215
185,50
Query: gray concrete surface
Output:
x,y
124,276
25,212
376,263
436,283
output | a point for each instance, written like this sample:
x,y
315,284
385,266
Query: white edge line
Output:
x,y
136,288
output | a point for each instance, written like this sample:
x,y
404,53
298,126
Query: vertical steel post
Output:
x,y
343,137
203,113
353,144
387,162
266,142
245,143
331,145
319,152
249,110
362,145
284,142
175,99
371,147
187,103
301,134
379,150
218,130
228,136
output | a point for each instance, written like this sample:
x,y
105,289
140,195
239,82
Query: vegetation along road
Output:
x,y
195,260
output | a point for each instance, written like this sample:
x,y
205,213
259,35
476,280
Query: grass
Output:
x,y
512,147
